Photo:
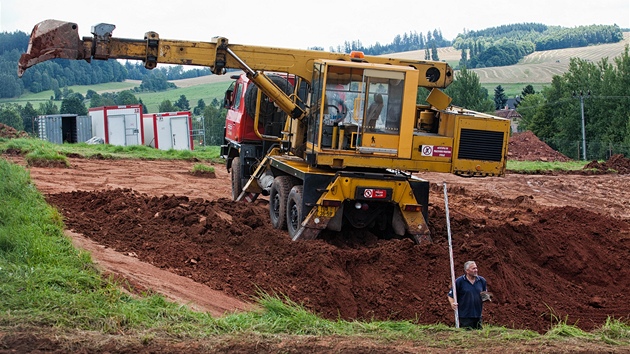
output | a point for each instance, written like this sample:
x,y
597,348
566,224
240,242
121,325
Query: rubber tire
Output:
x,y
237,180
267,108
278,197
294,210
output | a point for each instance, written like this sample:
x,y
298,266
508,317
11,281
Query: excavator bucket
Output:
x,y
51,39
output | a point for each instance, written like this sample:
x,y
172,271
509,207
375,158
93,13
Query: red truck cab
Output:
x,y
239,126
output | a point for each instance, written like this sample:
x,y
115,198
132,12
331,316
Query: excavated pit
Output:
x,y
553,248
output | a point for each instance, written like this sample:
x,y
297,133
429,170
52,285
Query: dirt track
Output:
x,y
551,247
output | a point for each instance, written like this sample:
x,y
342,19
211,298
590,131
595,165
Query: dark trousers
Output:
x,y
470,322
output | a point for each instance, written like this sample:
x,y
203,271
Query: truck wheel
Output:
x,y
278,197
267,108
294,210
237,180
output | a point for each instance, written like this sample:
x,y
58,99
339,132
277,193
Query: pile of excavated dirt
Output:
x,y
9,132
616,163
526,146
543,264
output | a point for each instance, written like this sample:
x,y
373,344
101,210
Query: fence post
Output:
x,y
578,154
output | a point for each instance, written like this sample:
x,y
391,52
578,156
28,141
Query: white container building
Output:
x,y
118,125
171,130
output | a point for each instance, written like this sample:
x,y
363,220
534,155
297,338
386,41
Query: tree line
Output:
x,y
603,88
406,42
58,73
506,45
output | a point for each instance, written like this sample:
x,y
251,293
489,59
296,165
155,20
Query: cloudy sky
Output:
x,y
303,24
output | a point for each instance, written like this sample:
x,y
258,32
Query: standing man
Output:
x,y
471,293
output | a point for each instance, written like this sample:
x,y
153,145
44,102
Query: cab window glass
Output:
x,y
237,96
383,101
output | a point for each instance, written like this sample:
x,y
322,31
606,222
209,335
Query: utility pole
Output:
x,y
581,96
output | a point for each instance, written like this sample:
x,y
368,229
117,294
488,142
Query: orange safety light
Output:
x,y
357,55
412,207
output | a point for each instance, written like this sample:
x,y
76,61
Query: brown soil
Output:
x,y
552,247
206,174
9,132
616,164
526,146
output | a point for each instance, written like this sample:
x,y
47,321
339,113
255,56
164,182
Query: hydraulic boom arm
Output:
x,y
52,39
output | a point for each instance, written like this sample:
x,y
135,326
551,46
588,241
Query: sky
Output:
x,y
300,24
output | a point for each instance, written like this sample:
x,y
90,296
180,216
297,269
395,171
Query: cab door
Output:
x,y
382,112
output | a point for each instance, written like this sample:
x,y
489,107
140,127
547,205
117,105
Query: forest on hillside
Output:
x,y
59,73
401,43
506,45
497,46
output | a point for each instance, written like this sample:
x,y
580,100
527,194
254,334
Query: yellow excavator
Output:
x,y
333,139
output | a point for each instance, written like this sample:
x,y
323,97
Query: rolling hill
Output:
x,y
536,68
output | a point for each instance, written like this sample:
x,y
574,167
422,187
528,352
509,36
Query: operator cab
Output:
x,y
360,108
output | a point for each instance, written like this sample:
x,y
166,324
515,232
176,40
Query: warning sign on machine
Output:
x,y
436,151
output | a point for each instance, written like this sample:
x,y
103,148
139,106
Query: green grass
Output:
x,y
199,167
534,166
511,90
193,94
46,150
41,149
45,282
46,156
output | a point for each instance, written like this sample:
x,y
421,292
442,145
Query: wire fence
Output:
x,y
199,131
595,150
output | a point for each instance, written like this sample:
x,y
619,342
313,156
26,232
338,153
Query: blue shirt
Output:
x,y
469,304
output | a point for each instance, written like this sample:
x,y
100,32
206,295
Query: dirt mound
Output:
x,y
617,163
526,146
11,133
541,264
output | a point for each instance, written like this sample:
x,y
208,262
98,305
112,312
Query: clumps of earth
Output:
x,y
9,132
533,257
526,146
615,164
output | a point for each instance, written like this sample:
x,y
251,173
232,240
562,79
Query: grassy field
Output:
x,y
540,67
202,90
511,89
205,91
536,69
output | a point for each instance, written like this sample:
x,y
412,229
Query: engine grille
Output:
x,y
480,145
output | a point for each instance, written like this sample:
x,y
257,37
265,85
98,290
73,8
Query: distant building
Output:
x,y
512,115
513,102
64,128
